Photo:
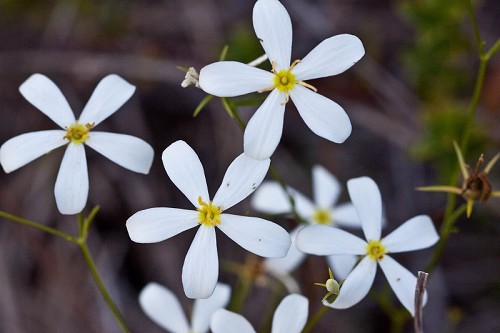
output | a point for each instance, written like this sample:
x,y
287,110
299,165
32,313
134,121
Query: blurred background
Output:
x,y
406,99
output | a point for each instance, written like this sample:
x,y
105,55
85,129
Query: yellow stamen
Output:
x,y
375,250
322,216
78,133
209,214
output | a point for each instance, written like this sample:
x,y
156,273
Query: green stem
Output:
x,y
444,233
314,320
100,284
39,226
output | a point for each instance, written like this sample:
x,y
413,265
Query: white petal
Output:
x,y
157,224
259,236
270,198
356,285
201,266
72,183
341,265
242,177
231,78
345,215
293,258
162,306
185,170
331,57
40,91
291,314
303,205
224,321
322,115
415,234
263,132
322,240
203,309
125,150
402,281
365,197
24,148
326,187
273,28
109,95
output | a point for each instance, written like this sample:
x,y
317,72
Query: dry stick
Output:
x,y
419,300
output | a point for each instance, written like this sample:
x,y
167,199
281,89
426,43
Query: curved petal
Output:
x,y
224,321
365,197
242,177
185,170
331,57
326,187
270,198
203,309
109,95
415,234
323,116
24,148
273,28
402,281
356,285
341,265
231,78
259,236
42,93
201,266
291,314
157,224
304,206
345,215
162,306
72,183
263,132
322,241
127,151
293,258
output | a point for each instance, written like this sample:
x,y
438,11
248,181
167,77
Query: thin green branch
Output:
x,y
314,320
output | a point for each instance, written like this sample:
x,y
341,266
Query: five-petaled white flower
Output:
x,y
72,183
200,270
290,317
162,306
416,233
323,116
271,198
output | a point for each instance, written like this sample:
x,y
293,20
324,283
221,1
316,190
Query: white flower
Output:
x,y
72,183
290,317
287,80
162,306
416,233
200,270
270,198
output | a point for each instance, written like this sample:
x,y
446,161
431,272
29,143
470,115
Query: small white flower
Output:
x,y
72,183
287,80
415,234
200,270
162,306
270,198
290,317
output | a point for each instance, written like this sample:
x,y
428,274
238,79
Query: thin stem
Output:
x,y
39,226
419,301
314,320
100,284
245,279
444,233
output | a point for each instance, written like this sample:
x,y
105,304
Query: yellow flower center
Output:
x,y
375,250
208,214
78,133
322,216
284,80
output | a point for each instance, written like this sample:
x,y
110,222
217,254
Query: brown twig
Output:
x,y
419,300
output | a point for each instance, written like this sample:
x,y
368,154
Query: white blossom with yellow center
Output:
x,y
72,183
416,233
270,198
162,306
324,117
200,271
